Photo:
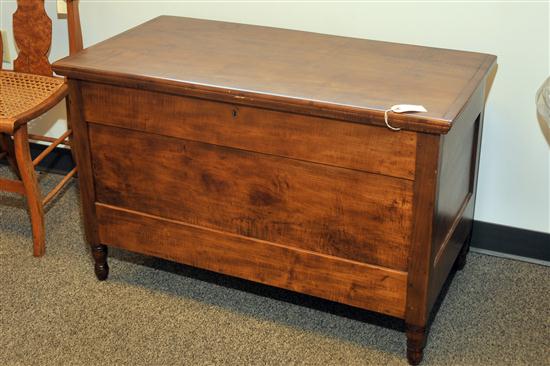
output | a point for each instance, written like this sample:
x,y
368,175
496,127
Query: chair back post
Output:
x,y
1,53
75,30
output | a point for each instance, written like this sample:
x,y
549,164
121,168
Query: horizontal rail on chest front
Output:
x,y
369,287
326,141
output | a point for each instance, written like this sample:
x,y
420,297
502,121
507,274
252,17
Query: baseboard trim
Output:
x,y
487,238
509,256
510,242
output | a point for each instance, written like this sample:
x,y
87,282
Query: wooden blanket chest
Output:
x,y
263,153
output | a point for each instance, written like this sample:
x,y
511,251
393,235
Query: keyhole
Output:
x,y
234,113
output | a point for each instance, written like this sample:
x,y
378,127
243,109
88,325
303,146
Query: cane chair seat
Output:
x,y
23,96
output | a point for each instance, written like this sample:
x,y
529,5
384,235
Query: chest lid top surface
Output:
x,y
311,73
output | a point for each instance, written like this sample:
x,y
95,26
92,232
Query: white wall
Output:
x,y
514,184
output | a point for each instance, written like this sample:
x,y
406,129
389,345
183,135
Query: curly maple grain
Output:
x,y
32,30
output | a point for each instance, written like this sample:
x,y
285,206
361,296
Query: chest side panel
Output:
x,y
456,194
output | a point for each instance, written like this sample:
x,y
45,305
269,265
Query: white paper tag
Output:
x,y
61,7
403,108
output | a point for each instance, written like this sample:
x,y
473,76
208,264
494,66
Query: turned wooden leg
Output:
x,y
416,340
461,259
32,190
99,252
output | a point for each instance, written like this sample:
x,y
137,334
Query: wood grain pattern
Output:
x,y
449,252
456,195
257,152
420,263
329,76
32,190
82,155
337,143
32,30
458,159
365,286
326,209
25,96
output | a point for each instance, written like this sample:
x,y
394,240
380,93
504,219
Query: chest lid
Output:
x,y
310,73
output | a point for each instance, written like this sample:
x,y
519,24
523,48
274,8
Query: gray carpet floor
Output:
x,y
151,312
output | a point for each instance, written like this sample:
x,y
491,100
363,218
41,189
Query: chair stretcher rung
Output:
x,y
50,148
47,139
14,186
58,187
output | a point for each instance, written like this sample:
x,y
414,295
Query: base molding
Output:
x,y
510,242
510,256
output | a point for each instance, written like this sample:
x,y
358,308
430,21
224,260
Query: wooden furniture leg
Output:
x,y
99,252
416,340
7,145
32,191
461,259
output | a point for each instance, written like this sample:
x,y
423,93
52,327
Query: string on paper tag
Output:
x,y
402,108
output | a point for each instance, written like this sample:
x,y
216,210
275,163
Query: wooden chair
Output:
x,y
26,92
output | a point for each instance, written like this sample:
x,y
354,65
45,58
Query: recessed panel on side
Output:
x,y
459,149
455,199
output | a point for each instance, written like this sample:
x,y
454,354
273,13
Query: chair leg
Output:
x,y
7,145
34,200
